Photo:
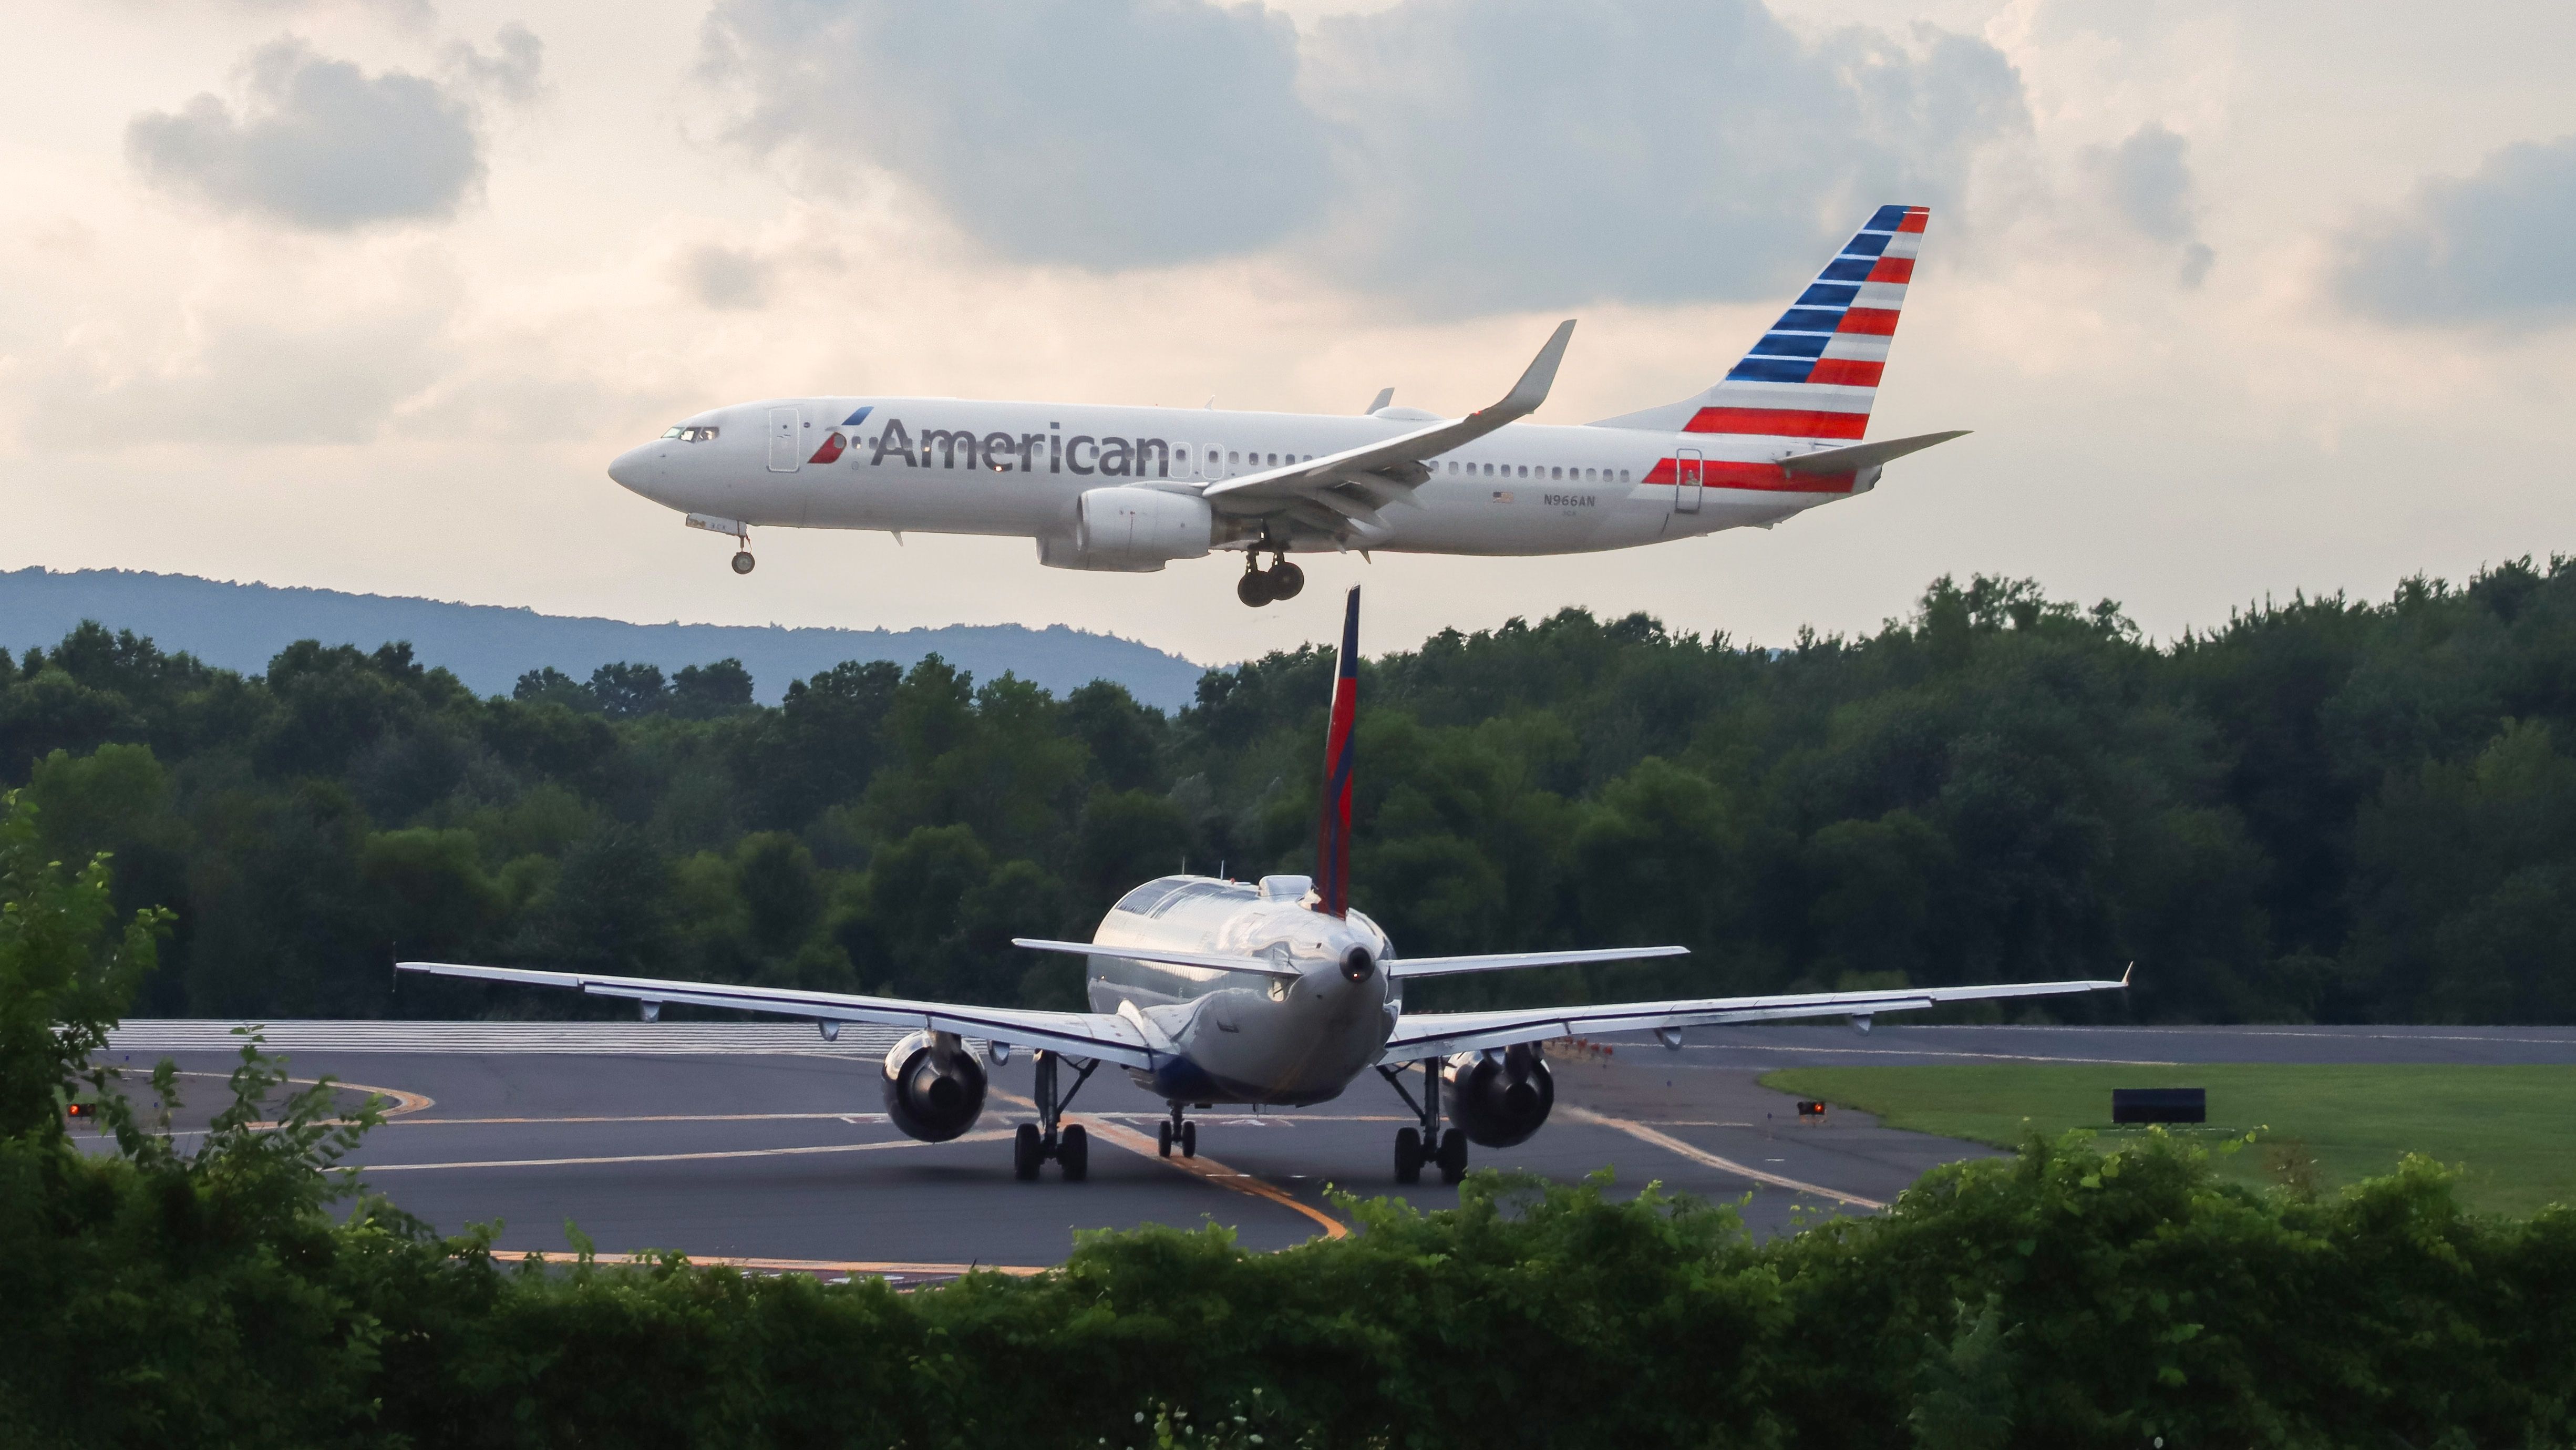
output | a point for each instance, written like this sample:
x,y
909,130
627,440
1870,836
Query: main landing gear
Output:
x,y
1415,1147
1050,1136
1179,1130
1260,586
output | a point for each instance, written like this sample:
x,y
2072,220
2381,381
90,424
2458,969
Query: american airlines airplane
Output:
x,y
1132,489
1274,993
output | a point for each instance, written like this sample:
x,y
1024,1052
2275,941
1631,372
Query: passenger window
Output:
x,y
1557,474
1524,470
1232,457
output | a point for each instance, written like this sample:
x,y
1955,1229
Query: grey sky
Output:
x,y
2489,247
317,142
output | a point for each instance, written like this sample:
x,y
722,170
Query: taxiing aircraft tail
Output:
x,y
1815,373
1333,826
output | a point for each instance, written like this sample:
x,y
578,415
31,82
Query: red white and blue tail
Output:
x,y
1333,826
1815,373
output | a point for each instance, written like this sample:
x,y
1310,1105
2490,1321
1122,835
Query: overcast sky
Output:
x,y
363,294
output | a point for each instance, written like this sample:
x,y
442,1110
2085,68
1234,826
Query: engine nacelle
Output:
x,y
1132,531
1499,1099
934,1087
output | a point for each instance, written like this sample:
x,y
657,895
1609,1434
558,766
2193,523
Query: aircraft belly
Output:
x,y
1522,520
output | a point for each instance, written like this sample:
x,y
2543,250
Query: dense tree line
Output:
x,y
2325,809
217,1294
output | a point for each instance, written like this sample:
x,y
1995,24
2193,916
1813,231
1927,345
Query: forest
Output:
x,y
2324,810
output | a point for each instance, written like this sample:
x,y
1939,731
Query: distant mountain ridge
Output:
x,y
488,646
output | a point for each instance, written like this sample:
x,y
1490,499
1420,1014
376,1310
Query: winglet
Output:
x,y
1531,390
1384,397
2124,973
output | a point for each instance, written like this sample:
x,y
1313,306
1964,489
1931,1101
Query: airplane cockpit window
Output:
x,y
690,435
1150,895
670,432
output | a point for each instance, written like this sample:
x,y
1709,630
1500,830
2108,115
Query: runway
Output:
x,y
761,1143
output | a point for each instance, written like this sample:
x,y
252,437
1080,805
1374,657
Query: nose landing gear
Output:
x,y
1177,1130
742,561
1280,581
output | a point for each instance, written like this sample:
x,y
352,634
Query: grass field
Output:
x,y
2509,1128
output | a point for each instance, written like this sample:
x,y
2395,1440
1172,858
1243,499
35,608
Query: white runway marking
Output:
x,y
988,1136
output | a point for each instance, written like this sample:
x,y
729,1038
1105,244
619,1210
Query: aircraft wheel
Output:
x,y
1253,588
1163,1139
1189,1140
1027,1152
1073,1152
1408,1155
1453,1156
742,562
1285,580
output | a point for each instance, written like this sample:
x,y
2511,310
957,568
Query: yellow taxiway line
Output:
x,y
1207,1168
987,1136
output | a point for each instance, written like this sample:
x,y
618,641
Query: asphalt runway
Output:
x,y
762,1144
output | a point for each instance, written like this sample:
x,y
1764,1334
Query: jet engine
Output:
x,y
934,1087
1499,1098
1132,531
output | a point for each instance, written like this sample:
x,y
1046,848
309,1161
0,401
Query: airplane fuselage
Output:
x,y
1236,1036
945,465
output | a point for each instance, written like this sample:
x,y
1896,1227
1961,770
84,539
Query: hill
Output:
x,y
243,626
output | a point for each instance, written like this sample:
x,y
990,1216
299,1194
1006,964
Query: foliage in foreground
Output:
x,y
2061,1297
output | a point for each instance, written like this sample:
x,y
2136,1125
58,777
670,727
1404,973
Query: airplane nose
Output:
x,y
627,468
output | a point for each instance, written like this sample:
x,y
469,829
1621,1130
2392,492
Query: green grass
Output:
x,y
2508,1128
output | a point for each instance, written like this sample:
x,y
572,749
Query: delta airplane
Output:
x,y
1132,489
1275,994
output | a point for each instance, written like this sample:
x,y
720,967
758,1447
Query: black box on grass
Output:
x,y
2159,1105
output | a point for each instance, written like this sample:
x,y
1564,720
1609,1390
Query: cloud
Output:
x,y
317,144
515,71
1462,156
2146,179
2490,247
729,278
1103,133
1518,153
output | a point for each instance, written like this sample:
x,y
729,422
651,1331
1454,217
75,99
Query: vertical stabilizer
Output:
x,y
1333,824
1815,373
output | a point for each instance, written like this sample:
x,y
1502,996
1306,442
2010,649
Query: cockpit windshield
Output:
x,y
691,435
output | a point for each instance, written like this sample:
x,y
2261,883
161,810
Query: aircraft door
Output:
x,y
786,449
1686,480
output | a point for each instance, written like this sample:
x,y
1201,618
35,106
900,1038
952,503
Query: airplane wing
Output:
x,y
1082,1034
1508,961
1339,494
1437,1034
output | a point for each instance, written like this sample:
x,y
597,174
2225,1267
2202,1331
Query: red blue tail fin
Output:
x,y
1815,373
1333,828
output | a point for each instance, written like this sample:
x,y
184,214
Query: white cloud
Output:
x,y
1103,133
316,143
2147,181
2489,247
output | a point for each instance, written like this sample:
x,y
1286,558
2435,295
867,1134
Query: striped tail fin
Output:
x,y
1815,373
1333,826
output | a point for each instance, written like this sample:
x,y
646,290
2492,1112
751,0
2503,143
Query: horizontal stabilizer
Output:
x,y
1865,455
1509,961
1222,961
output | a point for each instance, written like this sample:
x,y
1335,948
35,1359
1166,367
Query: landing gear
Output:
x,y
1453,1156
1177,1130
1050,1136
1189,1140
1415,1147
742,561
1258,586
1163,1139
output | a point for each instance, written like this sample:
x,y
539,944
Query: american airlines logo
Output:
x,y
1020,452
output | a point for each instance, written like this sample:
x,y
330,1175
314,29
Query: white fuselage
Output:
x,y
945,465
1239,1036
